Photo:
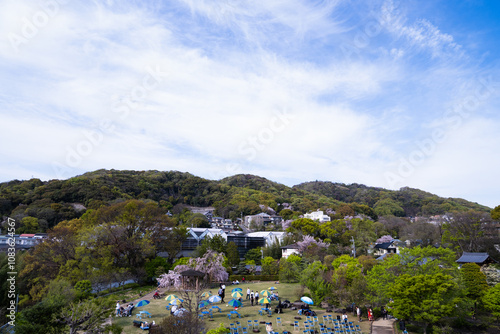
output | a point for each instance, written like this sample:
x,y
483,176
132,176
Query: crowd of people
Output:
x,y
124,311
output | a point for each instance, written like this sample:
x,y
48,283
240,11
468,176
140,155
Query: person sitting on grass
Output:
x,y
269,328
144,325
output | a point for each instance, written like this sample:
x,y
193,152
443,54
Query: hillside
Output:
x,y
413,201
53,201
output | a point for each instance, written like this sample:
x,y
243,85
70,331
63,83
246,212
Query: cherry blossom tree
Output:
x,y
286,224
310,241
210,264
384,238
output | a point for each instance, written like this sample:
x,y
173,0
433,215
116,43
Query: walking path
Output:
x,y
382,327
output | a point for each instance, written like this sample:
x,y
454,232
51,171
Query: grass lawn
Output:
x,y
286,291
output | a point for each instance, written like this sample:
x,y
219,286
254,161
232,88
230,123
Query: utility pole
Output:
x,y
353,247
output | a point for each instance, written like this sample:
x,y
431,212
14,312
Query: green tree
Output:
x,y
388,207
304,226
347,267
491,300
219,330
182,261
216,243
45,261
289,271
474,280
495,213
198,220
29,225
233,256
86,315
347,270
39,319
270,266
152,266
414,261
313,277
255,255
273,250
423,298
83,289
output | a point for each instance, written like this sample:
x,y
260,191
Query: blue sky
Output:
x,y
384,93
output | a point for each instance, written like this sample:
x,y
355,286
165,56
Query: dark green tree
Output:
x,y
273,250
255,255
152,266
232,254
216,243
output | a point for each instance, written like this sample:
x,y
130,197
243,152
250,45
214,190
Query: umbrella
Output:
x,y
214,299
203,304
206,294
237,294
142,303
234,303
236,289
307,300
176,301
265,293
265,300
169,298
272,288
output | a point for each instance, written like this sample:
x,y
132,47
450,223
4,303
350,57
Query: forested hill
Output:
x,y
56,200
413,202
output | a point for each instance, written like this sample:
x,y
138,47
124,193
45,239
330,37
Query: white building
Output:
x,y
286,251
270,236
318,215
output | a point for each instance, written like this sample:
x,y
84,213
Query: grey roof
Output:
x,y
474,258
292,246
191,272
384,245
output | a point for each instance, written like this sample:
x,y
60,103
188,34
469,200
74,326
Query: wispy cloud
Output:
x,y
292,91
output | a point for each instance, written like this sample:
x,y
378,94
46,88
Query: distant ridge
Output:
x,y
53,201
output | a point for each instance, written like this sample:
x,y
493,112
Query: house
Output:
x,y
263,219
286,251
270,236
386,248
478,258
21,241
318,216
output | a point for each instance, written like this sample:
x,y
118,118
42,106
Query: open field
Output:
x,y
248,312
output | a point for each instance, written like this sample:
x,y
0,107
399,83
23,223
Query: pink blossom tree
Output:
x,y
384,238
310,241
210,264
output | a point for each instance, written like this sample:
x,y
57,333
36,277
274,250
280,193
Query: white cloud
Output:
x,y
226,71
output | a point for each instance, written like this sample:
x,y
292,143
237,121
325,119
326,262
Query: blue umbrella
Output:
x,y
307,300
234,303
214,299
236,289
203,303
142,303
